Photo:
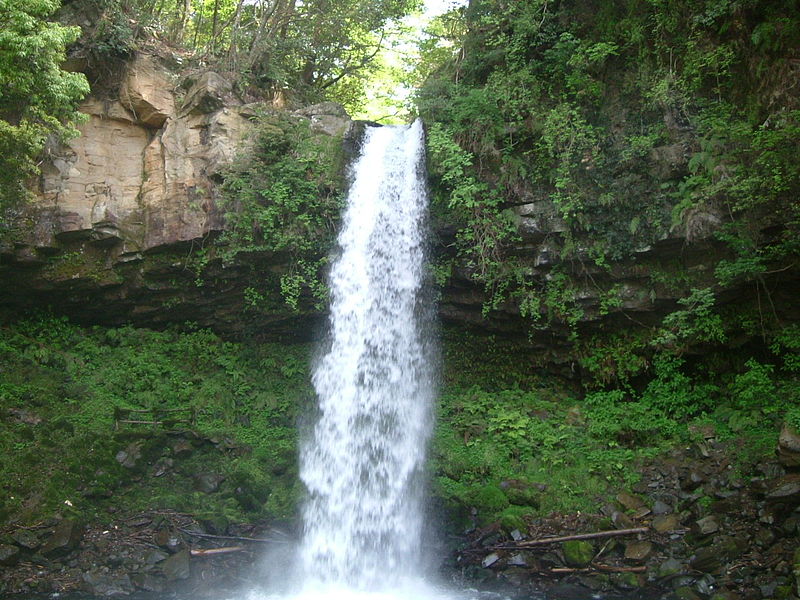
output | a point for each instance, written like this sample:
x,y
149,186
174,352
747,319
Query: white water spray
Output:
x,y
363,519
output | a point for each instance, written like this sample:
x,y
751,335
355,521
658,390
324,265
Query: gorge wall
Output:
x,y
119,212
122,212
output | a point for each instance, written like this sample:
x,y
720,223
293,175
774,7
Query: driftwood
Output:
x,y
606,568
232,537
215,551
567,538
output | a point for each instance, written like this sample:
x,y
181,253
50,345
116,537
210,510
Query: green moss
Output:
x,y
58,438
577,553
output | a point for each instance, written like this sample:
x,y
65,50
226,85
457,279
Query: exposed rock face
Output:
x,y
140,175
121,210
124,210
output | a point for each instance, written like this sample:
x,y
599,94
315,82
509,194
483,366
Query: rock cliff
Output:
x,y
120,210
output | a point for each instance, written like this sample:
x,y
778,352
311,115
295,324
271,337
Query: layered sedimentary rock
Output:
x,y
121,209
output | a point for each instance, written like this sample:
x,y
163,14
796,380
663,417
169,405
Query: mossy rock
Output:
x,y
523,495
513,518
577,553
490,499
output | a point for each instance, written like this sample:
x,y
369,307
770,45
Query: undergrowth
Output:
x,y
60,386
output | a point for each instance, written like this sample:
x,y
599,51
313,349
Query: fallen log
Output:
x,y
215,551
237,538
605,568
567,538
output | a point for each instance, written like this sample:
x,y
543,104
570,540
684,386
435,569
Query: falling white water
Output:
x,y
362,468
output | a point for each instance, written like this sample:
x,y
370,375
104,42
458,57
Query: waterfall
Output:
x,y
363,464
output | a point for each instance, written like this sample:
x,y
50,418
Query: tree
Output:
x,y
37,97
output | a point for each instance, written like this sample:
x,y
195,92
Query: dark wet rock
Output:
x,y
622,521
577,553
147,582
130,456
707,525
629,501
665,523
789,525
784,488
727,506
182,448
65,538
693,480
789,447
638,551
100,582
167,538
155,556
627,581
596,583
711,558
491,559
25,538
764,537
9,555
796,570
162,467
207,483
661,508
670,567
177,566
686,593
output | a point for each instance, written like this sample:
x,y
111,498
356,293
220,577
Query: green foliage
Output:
x,y
38,98
629,423
755,388
634,121
674,393
613,359
69,380
284,199
502,433
696,323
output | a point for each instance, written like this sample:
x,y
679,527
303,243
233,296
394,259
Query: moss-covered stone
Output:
x,y
577,553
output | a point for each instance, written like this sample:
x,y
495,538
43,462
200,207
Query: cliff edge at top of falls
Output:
x,y
119,211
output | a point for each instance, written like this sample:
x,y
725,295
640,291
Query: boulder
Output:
x,y
26,538
577,553
328,118
177,566
784,489
670,567
65,538
9,555
100,582
629,501
147,92
707,525
207,483
208,94
789,447
638,551
665,523
130,456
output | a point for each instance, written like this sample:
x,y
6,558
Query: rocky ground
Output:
x,y
159,551
695,530
691,529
